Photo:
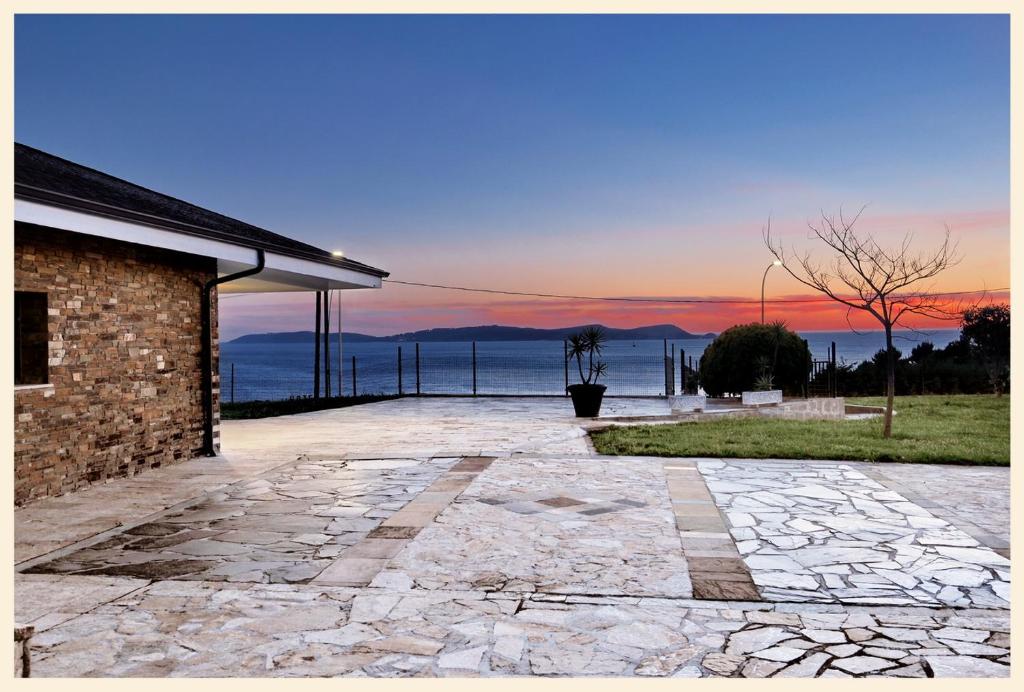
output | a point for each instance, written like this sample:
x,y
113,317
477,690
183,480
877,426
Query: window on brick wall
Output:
x,y
31,338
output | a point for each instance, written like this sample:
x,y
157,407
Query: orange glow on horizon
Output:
x,y
386,317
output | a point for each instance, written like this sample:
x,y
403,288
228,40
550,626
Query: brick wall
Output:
x,y
124,361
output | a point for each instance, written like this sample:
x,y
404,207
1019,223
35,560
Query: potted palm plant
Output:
x,y
587,395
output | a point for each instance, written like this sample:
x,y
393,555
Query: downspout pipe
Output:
x,y
207,347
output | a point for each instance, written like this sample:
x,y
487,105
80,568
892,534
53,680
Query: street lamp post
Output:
x,y
776,263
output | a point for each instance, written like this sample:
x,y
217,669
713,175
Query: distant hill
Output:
x,y
300,337
491,332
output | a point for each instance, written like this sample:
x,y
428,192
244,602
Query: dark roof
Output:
x,y
43,177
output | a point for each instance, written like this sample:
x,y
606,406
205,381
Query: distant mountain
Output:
x,y
491,332
301,337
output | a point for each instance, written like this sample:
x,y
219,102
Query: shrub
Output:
x,y
987,331
955,369
745,355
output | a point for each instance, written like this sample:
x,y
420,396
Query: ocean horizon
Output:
x,y
635,367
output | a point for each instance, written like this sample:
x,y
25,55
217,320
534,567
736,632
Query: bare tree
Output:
x,y
887,283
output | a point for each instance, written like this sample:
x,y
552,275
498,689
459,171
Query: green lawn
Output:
x,y
967,429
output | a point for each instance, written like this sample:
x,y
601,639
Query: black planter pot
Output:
x,y
586,399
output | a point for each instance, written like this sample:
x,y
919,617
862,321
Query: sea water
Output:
x,y
635,368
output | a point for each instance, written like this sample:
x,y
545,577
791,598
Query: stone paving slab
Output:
x,y
45,601
982,505
457,426
360,563
552,525
204,629
53,523
286,526
818,531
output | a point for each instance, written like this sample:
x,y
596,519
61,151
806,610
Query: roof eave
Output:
x,y
40,195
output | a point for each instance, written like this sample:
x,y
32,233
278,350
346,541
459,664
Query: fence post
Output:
x,y
417,368
353,376
835,375
672,370
232,383
682,371
399,371
809,374
565,362
474,368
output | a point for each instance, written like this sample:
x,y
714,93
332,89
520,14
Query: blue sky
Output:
x,y
524,151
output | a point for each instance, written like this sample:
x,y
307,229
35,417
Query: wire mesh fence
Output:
x,y
529,369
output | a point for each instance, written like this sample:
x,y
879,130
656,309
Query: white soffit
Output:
x,y
281,272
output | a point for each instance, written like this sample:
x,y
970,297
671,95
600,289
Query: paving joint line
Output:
x,y
717,571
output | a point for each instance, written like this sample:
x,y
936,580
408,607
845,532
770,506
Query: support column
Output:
x,y
341,391
327,344
316,351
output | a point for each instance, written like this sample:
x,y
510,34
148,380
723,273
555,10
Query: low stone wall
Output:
x,y
806,409
766,398
686,403
793,409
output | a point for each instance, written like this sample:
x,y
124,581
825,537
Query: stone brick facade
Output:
x,y
124,391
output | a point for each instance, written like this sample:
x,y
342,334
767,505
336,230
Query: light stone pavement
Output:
x,y
825,532
555,526
493,542
982,501
284,526
54,522
414,427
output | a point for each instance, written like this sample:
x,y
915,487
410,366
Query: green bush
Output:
x,y
747,355
955,369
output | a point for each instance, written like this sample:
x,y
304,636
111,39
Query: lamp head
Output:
x,y
777,263
337,253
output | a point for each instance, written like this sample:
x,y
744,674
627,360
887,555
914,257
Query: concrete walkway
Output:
x,y
483,537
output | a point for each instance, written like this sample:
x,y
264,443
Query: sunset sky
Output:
x,y
610,156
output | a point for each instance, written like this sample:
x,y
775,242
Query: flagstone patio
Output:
x,y
824,532
504,546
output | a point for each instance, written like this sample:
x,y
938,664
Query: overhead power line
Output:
x,y
730,301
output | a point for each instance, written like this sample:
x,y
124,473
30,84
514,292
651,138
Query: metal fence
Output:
x,y
412,370
823,378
